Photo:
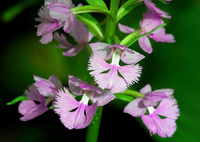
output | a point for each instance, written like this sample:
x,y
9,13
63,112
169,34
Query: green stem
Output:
x,y
93,128
111,23
134,93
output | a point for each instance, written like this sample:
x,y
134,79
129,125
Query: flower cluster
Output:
x,y
166,106
113,65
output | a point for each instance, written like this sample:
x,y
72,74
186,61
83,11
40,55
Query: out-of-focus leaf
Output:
x,y
13,11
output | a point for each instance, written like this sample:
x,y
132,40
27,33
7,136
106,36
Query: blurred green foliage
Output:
x,y
174,65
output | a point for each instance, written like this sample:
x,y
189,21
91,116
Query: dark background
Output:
x,y
173,65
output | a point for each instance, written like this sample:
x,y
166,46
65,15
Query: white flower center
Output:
x,y
116,57
85,99
151,110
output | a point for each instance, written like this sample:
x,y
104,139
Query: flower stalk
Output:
x,y
111,24
93,128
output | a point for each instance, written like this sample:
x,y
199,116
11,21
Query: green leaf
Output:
x,y
97,2
16,100
91,8
124,97
127,7
93,25
133,37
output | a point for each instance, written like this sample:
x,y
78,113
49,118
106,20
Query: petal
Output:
x,y
73,114
46,88
153,98
130,73
149,123
168,108
57,83
90,112
73,119
62,39
43,27
69,23
145,44
58,7
125,29
101,96
33,94
169,126
37,78
64,102
135,108
26,106
150,21
46,29
163,127
146,89
101,49
80,33
74,50
111,80
67,3
46,38
97,65
30,110
168,92
74,85
151,6
90,37
131,57
160,36
44,14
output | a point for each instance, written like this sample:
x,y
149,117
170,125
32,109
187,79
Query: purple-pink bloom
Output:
x,y
152,7
107,75
96,94
29,109
80,34
47,26
167,107
61,10
48,88
74,114
149,22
